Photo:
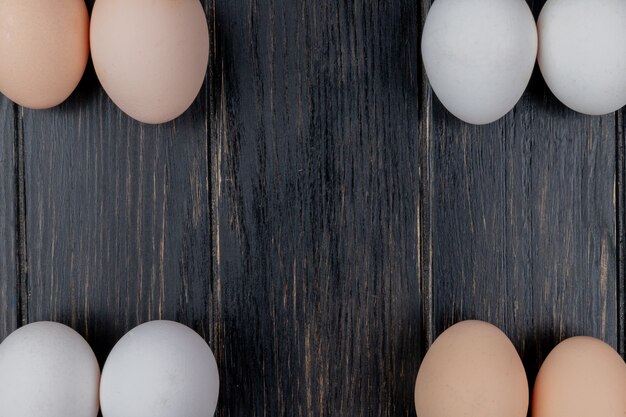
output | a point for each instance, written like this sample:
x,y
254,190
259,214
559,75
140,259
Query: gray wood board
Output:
x,y
118,225
9,277
314,147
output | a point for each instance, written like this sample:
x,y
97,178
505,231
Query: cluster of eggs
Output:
x,y
479,55
150,56
165,369
473,369
158,369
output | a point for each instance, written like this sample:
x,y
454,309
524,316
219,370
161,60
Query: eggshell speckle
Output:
x,y
472,369
582,376
44,48
160,369
151,56
582,53
479,55
48,370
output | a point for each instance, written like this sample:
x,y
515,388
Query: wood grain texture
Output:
x,y
118,224
621,231
524,223
315,190
117,219
9,279
425,207
317,215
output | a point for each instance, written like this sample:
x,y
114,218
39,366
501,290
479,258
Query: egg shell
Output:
x,y
48,370
44,48
479,55
150,56
582,376
160,369
472,369
582,53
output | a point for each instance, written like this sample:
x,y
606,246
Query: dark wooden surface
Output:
x,y
9,277
316,215
526,225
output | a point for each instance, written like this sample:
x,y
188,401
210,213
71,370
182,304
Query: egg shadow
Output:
x,y
538,343
543,101
102,332
408,347
89,86
86,92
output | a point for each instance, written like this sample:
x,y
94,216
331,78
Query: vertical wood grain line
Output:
x,y
211,85
425,197
213,96
621,233
20,216
209,11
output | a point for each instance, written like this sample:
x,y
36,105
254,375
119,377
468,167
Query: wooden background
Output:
x,y
316,215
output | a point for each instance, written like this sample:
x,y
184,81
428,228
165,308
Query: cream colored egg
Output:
x,y
582,376
479,55
472,369
48,370
44,48
151,56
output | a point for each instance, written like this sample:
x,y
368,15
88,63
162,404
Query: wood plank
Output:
x,y
118,217
524,224
314,140
426,197
621,230
9,278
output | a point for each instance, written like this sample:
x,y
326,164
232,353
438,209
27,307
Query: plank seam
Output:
x,y
210,105
213,91
20,215
425,200
621,231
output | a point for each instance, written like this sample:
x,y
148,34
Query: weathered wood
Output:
x,y
118,228
317,215
9,278
621,231
425,214
314,140
524,224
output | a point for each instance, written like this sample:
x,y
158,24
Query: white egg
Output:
x,y
48,370
479,55
582,53
160,369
